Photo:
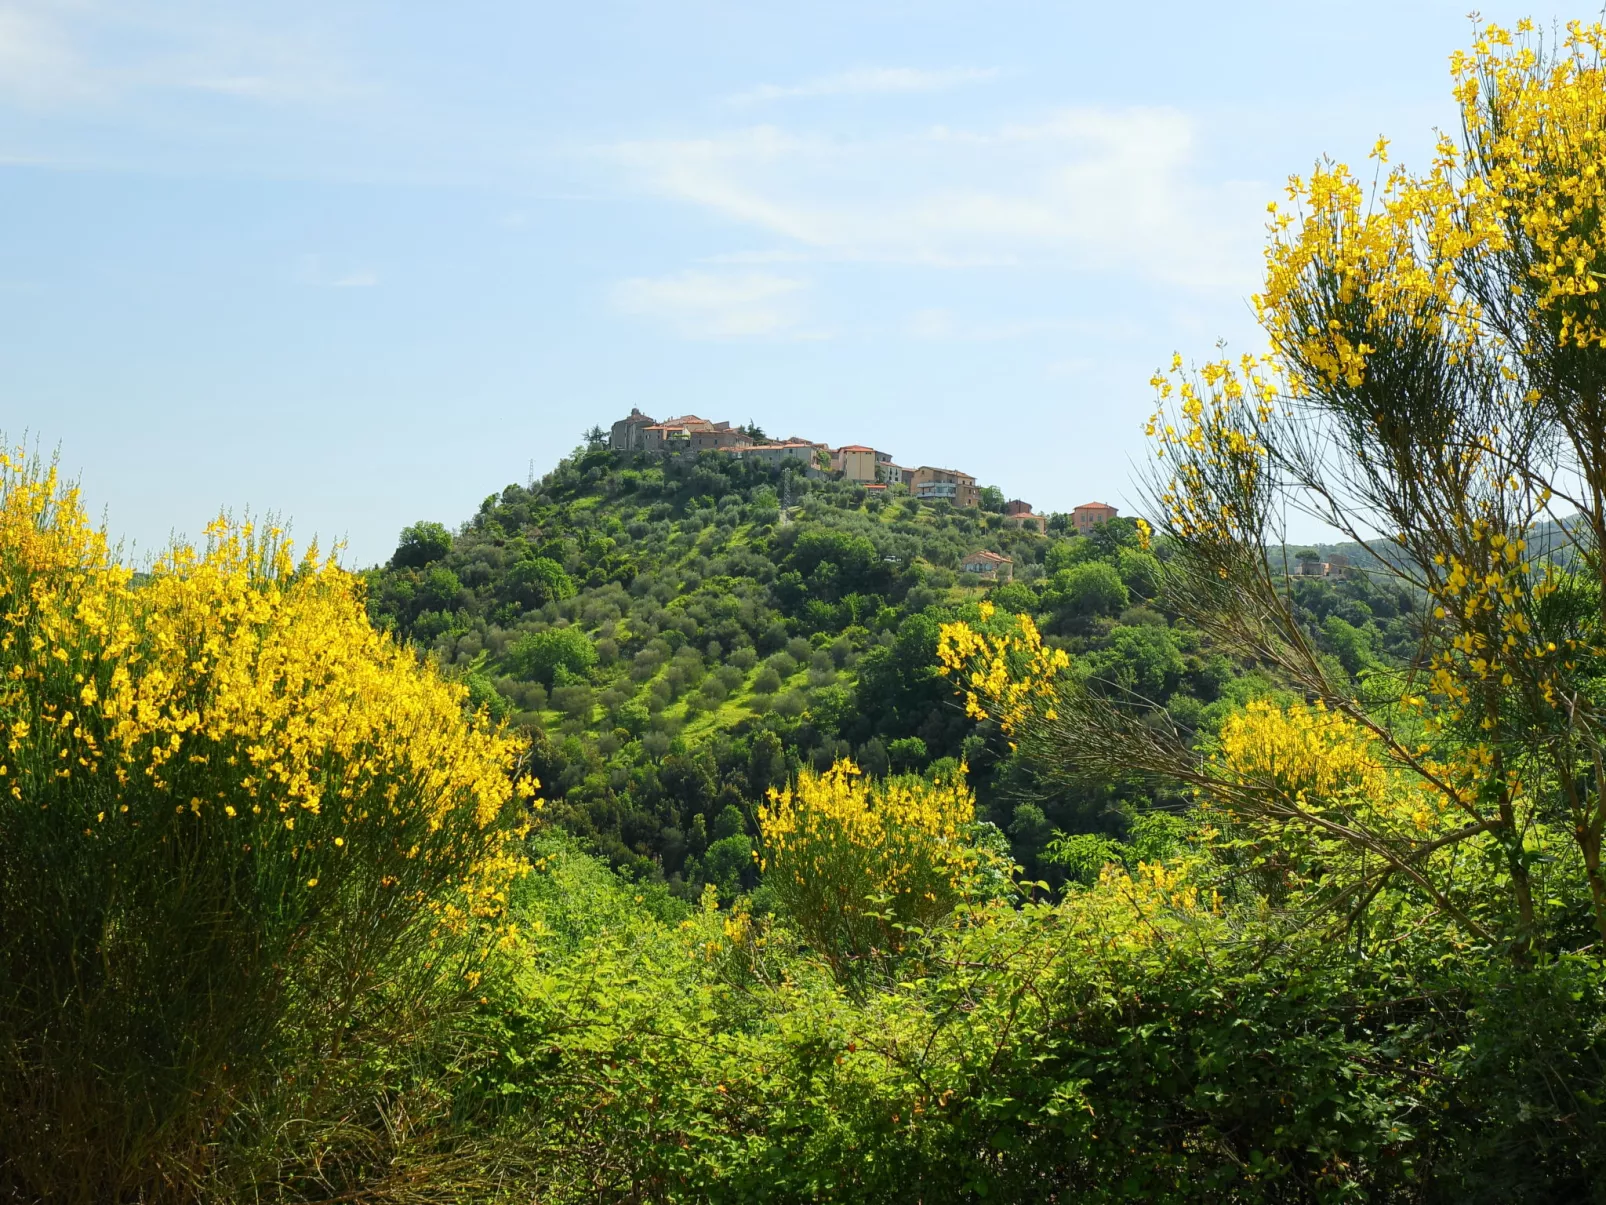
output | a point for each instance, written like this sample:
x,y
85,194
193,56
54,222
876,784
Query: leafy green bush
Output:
x,y
1089,589
553,656
1120,1045
539,579
908,754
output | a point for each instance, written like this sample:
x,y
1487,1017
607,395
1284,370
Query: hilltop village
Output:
x,y
871,468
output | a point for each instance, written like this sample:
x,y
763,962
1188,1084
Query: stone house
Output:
x,y
796,451
690,434
627,435
987,565
717,436
673,435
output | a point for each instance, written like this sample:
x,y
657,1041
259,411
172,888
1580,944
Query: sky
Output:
x,y
359,264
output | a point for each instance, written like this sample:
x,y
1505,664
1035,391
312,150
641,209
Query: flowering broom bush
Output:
x,y
1001,664
240,834
858,863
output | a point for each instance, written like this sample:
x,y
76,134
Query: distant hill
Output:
x,y
1549,538
676,646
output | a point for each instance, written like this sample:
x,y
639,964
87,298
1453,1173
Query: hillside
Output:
x,y
677,645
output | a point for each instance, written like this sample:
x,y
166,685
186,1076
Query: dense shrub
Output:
x,y
234,820
553,656
856,862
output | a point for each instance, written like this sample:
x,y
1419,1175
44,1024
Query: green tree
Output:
x,y
536,580
728,864
1351,645
441,590
766,765
1113,535
421,544
833,563
1015,597
1063,554
873,758
547,655
900,693
1139,660
1029,833
908,754
482,692
1087,590
1140,572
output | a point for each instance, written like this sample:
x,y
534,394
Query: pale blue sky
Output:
x,y
361,263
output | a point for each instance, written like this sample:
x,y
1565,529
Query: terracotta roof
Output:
x,y
988,555
854,448
1094,506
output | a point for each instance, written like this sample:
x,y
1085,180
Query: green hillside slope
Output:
x,y
677,646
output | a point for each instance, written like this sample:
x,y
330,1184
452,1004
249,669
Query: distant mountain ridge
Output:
x,y
1550,538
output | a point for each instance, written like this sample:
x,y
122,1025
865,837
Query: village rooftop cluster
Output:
x,y
690,435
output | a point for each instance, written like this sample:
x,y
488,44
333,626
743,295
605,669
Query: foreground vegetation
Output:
x,y
285,920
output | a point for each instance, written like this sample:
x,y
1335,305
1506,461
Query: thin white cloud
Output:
x,y
711,305
75,53
868,80
1111,190
38,63
355,280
